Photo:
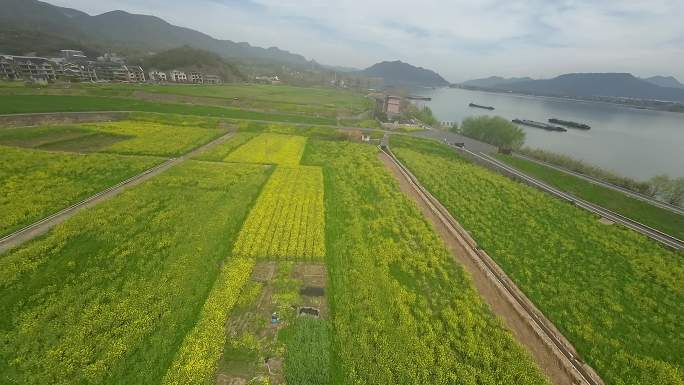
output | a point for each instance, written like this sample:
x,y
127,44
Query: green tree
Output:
x,y
494,130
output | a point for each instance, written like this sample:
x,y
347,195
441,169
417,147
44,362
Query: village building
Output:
x,y
195,77
158,76
178,76
212,79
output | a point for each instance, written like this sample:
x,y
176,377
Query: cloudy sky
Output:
x,y
461,39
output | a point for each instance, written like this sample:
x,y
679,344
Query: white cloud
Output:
x,y
459,38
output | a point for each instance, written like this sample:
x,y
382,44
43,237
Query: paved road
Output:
x,y
611,186
41,227
470,144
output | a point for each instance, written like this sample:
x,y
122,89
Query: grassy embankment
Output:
x,y
656,217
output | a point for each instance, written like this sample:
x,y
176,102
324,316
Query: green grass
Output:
x,y
615,294
658,218
16,104
109,296
403,312
307,354
35,184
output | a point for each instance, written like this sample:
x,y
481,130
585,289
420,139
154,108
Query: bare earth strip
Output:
x,y
501,306
44,225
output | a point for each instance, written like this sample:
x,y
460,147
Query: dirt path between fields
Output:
x,y
44,225
501,306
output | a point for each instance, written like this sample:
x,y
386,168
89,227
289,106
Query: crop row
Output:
x,y
221,151
270,149
288,220
403,312
108,296
614,293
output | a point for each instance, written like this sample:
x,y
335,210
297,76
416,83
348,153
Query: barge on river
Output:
x,y
569,123
479,106
544,126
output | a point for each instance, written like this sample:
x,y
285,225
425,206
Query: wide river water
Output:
x,y
631,142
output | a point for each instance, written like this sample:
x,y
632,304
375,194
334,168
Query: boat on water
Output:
x,y
569,123
479,106
544,126
423,98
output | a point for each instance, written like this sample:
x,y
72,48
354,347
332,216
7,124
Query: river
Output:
x,y
630,142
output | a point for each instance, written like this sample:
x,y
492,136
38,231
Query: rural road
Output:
x,y
42,226
552,352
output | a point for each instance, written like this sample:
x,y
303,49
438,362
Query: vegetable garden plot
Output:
x,y
287,221
271,149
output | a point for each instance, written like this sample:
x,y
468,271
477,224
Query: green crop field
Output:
x,y
270,149
314,101
17,104
661,219
112,296
175,281
35,184
614,293
403,311
130,137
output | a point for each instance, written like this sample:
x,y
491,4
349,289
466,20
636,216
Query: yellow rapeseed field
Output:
x,y
270,149
288,220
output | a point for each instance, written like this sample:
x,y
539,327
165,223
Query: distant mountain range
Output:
x,y
493,81
664,81
400,74
117,30
617,85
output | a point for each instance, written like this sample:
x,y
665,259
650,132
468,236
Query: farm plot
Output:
x,y
270,149
112,295
295,347
149,138
221,152
35,184
14,103
288,220
402,311
615,294
125,137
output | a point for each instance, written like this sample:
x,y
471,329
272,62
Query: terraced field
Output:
x,y
614,293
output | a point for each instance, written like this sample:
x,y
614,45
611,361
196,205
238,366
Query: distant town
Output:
x,y
75,66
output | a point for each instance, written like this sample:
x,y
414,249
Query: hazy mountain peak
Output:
x,y
398,73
